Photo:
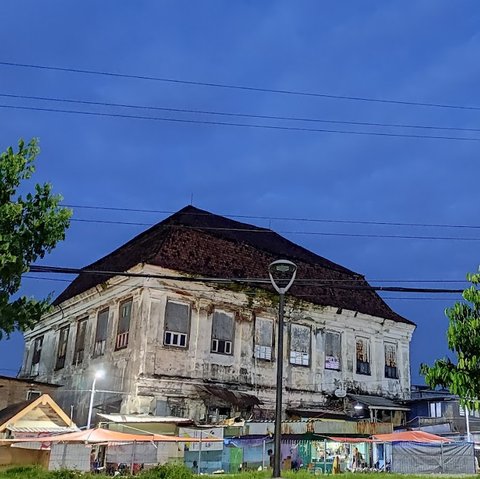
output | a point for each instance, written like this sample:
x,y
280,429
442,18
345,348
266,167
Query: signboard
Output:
x,y
204,434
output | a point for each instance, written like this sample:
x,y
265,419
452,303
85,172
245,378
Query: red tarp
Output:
x,y
100,435
409,436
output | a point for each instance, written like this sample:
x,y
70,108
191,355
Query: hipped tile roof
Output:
x,y
197,242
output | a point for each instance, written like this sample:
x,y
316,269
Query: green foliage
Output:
x,y
30,227
168,471
463,338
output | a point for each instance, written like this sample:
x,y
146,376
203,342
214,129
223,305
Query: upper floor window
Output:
x,y
62,347
263,338
300,343
222,333
391,370
177,324
363,356
37,352
78,352
436,409
333,350
101,333
123,330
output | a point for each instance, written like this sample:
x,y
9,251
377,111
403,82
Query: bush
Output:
x,y
168,471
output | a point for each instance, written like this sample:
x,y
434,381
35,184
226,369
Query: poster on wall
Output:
x,y
205,435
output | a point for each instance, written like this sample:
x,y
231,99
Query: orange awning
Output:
x,y
100,435
409,436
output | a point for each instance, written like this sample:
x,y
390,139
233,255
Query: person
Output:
x,y
195,466
271,458
336,465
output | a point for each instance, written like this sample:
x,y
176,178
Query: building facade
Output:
x,y
173,341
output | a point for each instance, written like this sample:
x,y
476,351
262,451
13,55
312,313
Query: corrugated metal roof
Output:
x,y
378,402
52,430
134,418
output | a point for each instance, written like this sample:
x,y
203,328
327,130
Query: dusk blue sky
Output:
x,y
419,51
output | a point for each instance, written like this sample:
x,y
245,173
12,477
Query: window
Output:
x,y
300,345
37,352
124,315
363,356
31,394
391,370
263,338
80,342
101,333
333,350
436,409
62,347
177,324
222,333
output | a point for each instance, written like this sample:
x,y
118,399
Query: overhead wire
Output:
x,y
258,230
235,114
236,87
219,280
271,218
240,125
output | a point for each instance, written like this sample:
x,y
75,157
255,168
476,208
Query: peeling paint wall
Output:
x,y
160,369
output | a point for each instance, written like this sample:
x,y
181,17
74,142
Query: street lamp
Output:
x,y
98,375
282,275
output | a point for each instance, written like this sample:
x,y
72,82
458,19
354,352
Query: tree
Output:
x,y
463,337
30,227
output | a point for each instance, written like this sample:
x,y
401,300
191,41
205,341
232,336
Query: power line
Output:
x,y
310,281
66,270
269,231
236,114
275,218
239,125
237,87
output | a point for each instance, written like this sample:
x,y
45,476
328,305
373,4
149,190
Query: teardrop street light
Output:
x,y
282,275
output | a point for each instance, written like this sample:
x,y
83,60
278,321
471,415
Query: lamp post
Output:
x,y
98,375
282,275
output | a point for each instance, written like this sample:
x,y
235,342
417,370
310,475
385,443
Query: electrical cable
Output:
x,y
269,231
236,114
63,270
271,218
236,87
241,125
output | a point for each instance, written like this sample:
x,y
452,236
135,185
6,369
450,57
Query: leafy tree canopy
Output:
x,y
463,336
30,227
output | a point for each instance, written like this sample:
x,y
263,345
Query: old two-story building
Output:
x,y
190,329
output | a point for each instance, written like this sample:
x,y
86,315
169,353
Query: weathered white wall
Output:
x,y
147,370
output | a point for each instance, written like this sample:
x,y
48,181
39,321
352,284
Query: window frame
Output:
x,y
61,356
171,332
300,358
363,367
36,355
390,372
220,345
263,352
339,358
122,338
100,345
435,409
80,351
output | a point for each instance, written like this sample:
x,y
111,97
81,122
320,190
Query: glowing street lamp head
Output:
x,y
100,374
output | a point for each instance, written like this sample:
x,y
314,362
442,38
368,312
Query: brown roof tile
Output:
x,y
197,242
